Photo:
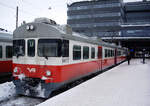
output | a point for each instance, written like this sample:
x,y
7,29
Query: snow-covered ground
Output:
x,y
7,90
8,97
124,85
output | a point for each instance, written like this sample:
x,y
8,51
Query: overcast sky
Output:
x,y
31,9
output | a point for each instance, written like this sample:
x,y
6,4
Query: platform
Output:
x,y
124,85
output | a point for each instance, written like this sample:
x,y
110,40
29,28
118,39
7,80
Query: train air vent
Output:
x,y
45,20
67,29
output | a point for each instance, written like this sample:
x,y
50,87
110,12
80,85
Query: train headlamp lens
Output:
x,y
27,27
15,69
31,27
48,73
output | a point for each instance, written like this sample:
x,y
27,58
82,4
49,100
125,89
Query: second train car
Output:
x,y
5,54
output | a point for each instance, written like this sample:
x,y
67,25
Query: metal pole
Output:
x,y
17,17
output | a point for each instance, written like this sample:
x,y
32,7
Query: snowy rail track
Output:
x,y
21,101
8,97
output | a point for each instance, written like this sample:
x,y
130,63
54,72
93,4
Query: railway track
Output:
x,y
21,101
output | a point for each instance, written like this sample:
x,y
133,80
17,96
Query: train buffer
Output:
x,y
124,85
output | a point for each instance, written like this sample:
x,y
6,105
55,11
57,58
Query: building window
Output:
x,y
76,52
1,52
85,52
92,52
8,51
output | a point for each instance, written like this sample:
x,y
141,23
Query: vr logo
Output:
x,y
31,70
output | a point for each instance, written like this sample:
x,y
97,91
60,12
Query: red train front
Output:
x,y
47,56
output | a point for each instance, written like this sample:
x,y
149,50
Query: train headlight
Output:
x,y
30,27
48,73
15,70
27,27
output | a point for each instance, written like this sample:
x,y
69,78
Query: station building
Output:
x,y
114,21
96,18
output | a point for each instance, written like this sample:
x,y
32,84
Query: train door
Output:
x,y
65,51
100,57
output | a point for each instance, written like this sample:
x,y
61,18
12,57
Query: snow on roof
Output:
x,y
5,35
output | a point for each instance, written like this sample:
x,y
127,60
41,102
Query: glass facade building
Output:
x,y
96,18
137,19
106,18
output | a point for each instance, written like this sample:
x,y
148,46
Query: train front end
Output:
x,y
36,59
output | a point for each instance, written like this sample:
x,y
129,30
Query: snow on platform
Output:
x,y
124,85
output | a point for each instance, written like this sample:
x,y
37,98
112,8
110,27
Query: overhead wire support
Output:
x,y
17,17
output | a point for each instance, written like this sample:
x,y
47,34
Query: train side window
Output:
x,y
8,51
76,52
119,53
106,53
65,48
31,48
85,52
109,53
113,53
92,52
1,52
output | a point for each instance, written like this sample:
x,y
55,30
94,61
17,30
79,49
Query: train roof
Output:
x,y
45,30
6,36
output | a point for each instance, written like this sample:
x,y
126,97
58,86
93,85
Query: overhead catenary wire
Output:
x,y
20,10
30,4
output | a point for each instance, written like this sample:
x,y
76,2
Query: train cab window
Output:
x,y
18,48
65,48
31,48
1,52
8,51
49,47
76,52
92,52
85,52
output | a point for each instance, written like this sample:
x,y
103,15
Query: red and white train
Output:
x,y
5,54
47,56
